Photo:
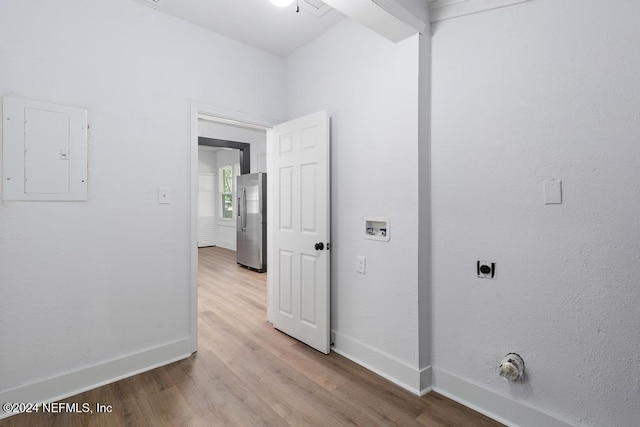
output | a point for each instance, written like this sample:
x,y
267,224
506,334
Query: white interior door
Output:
x,y
207,194
298,229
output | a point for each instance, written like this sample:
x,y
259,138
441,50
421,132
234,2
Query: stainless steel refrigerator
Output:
x,y
251,221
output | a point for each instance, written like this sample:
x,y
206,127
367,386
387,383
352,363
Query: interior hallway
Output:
x,y
246,373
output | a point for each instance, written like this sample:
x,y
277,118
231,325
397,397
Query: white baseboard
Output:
x,y
493,405
70,384
415,380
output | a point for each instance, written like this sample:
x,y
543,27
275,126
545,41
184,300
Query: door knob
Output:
x,y
319,246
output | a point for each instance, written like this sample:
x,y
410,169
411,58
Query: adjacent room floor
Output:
x,y
246,373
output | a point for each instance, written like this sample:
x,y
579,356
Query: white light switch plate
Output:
x,y
553,192
164,195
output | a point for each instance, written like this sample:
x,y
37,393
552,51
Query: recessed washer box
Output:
x,y
44,151
376,228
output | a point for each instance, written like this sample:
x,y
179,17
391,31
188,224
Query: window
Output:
x,y
227,192
227,188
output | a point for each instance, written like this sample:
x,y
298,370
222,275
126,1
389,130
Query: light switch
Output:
x,y
164,195
361,264
553,192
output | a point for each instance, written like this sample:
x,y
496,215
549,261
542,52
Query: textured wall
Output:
x,y
541,90
84,283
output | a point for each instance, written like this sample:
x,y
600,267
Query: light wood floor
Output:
x,y
248,374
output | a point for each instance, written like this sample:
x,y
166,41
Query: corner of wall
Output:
x,y
424,210
412,379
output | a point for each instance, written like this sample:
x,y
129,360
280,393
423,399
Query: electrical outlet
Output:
x,y
361,265
486,269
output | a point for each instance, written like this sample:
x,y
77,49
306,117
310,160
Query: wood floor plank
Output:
x,y
246,373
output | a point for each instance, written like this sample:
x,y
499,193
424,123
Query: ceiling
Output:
x,y
282,31
258,23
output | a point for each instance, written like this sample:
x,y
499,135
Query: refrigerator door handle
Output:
x,y
244,209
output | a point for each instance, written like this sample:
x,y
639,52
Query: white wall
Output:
x,y
541,90
207,160
369,87
88,285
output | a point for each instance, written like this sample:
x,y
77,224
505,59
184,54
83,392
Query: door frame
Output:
x,y
223,116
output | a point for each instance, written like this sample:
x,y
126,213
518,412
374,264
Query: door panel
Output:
x,y
308,288
285,215
308,198
299,284
284,284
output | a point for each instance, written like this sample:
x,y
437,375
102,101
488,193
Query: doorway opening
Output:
x,y
228,134
299,165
